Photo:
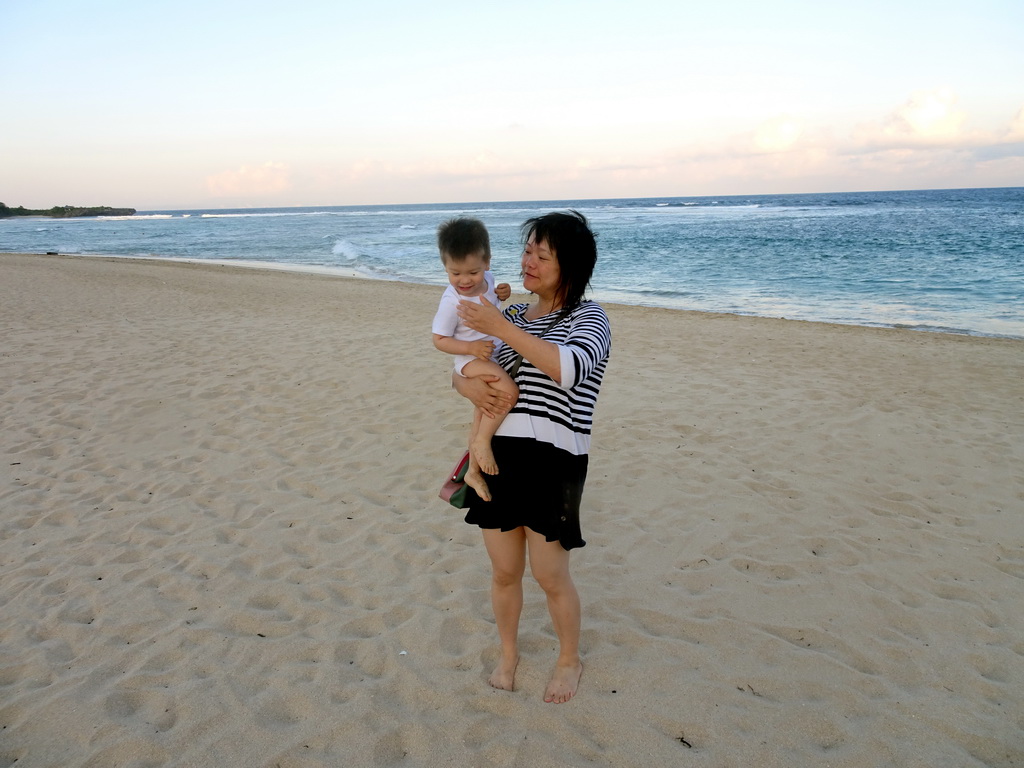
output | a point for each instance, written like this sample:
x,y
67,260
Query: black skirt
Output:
x,y
537,486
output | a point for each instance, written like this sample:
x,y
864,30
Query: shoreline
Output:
x,y
222,543
341,272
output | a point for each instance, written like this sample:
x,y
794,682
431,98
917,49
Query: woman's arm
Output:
x,y
588,344
479,392
486,318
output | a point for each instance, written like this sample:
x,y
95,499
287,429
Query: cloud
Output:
x,y
926,119
929,141
928,115
250,182
925,142
1016,132
780,134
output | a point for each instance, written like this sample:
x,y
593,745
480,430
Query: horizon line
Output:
x,y
577,199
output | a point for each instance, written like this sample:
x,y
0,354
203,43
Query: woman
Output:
x,y
541,447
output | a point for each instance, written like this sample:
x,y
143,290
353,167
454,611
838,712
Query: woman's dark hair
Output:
x,y
569,237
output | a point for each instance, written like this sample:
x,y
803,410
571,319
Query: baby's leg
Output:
x,y
474,478
485,427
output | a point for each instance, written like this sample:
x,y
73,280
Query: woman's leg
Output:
x,y
507,551
549,563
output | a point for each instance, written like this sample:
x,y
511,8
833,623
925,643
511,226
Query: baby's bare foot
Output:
x,y
476,481
564,682
504,675
484,456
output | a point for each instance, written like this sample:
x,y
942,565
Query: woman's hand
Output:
x,y
479,392
483,317
545,356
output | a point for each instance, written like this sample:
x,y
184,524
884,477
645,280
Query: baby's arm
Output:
x,y
483,348
503,291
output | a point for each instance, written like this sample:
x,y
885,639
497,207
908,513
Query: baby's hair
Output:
x,y
459,238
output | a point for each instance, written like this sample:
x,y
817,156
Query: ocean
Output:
x,y
937,260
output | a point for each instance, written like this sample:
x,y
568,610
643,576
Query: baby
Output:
x,y
465,249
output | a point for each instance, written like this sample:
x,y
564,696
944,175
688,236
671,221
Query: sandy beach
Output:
x,y
221,543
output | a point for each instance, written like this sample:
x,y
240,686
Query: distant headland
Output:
x,y
65,211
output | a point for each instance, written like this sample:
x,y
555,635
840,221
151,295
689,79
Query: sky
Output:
x,y
218,104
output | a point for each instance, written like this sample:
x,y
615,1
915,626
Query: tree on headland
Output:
x,y
64,211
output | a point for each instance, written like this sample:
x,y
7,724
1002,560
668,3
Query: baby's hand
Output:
x,y
482,349
503,291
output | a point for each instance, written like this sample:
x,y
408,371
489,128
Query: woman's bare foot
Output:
x,y
484,456
504,675
476,481
564,682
